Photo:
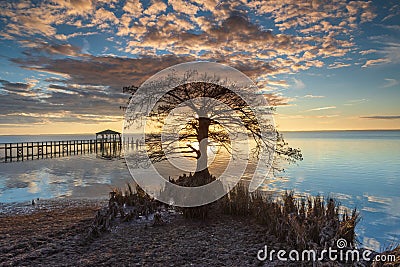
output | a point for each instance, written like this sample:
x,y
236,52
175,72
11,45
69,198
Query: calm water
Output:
x,y
359,168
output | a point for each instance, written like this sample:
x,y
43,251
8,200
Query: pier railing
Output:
x,y
10,152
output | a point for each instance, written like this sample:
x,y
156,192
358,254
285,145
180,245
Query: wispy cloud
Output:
x,y
298,84
321,108
297,116
374,62
281,83
277,99
392,27
338,65
392,51
326,116
381,117
355,102
390,83
369,51
394,12
313,96
389,51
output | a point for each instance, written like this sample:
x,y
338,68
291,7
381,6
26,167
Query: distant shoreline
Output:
x,y
365,130
286,131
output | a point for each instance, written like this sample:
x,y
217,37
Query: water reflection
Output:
x,y
75,176
360,172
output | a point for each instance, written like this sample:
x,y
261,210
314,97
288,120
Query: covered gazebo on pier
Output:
x,y
110,143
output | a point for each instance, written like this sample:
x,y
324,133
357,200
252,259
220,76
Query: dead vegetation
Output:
x,y
125,206
300,223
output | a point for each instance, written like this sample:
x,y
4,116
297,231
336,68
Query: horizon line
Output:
x,y
341,130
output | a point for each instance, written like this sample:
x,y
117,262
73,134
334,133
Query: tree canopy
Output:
x,y
204,112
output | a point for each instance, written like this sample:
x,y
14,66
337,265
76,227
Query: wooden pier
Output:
x,y
108,144
11,152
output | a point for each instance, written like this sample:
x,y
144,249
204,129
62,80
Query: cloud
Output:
x,y
185,7
321,108
338,65
230,32
133,7
369,51
115,72
298,84
227,32
15,86
59,103
297,116
390,83
20,89
155,8
381,117
313,96
326,116
282,83
102,93
355,102
51,48
394,11
392,27
76,7
392,51
277,99
374,62
102,16
40,118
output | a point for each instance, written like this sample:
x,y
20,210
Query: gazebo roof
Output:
x,y
108,131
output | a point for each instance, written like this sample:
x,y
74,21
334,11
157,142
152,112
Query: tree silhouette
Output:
x,y
207,109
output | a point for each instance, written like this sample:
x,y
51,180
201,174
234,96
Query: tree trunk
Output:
x,y
202,138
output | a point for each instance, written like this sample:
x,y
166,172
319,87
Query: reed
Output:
x,y
123,205
141,203
197,179
305,222
298,222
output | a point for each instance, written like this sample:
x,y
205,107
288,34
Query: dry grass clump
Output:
x,y
138,201
300,223
126,206
195,180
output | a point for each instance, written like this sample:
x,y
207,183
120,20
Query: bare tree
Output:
x,y
208,108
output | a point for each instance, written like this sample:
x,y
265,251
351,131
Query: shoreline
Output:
x,y
48,204
55,232
54,235
25,208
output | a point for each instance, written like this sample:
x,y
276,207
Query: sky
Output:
x,y
325,65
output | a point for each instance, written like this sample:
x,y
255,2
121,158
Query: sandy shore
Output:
x,y
53,233
55,237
